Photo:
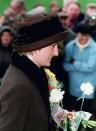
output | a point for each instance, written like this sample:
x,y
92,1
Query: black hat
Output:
x,y
5,28
38,33
82,28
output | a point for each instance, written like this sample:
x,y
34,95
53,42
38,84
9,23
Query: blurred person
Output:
x,y
54,6
37,10
2,20
71,34
5,49
91,21
73,11
63,18
10,16
90,9
24,94
19,8
80,63
66,3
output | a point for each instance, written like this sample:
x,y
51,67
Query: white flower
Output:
x,y
56,95
87,88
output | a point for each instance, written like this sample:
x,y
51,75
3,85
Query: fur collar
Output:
x,y
35,74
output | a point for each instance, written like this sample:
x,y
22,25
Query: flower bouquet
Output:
x,y
68,121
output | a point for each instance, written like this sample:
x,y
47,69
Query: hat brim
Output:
x,y
42,43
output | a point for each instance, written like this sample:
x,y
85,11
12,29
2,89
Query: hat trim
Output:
x,y
42,43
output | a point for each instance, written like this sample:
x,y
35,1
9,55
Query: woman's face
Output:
x,y
6,39
44,56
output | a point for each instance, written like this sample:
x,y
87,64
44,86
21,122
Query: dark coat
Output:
x,y
24,97
5,55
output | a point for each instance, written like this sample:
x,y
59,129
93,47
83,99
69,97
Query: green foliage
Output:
x,y
89,123
31,3
3,5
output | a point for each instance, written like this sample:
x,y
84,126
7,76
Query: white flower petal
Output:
x,y
56,95
87,88
82,87
84,115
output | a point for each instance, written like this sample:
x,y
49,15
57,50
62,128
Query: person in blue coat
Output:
x,y
80,62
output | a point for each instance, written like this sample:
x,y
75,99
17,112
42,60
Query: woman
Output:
x,y
24,95
5,48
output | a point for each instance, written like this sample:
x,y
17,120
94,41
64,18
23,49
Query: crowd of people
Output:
x,y
27,44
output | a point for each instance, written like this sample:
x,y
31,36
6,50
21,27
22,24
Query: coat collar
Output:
x,y
35,74
28,67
